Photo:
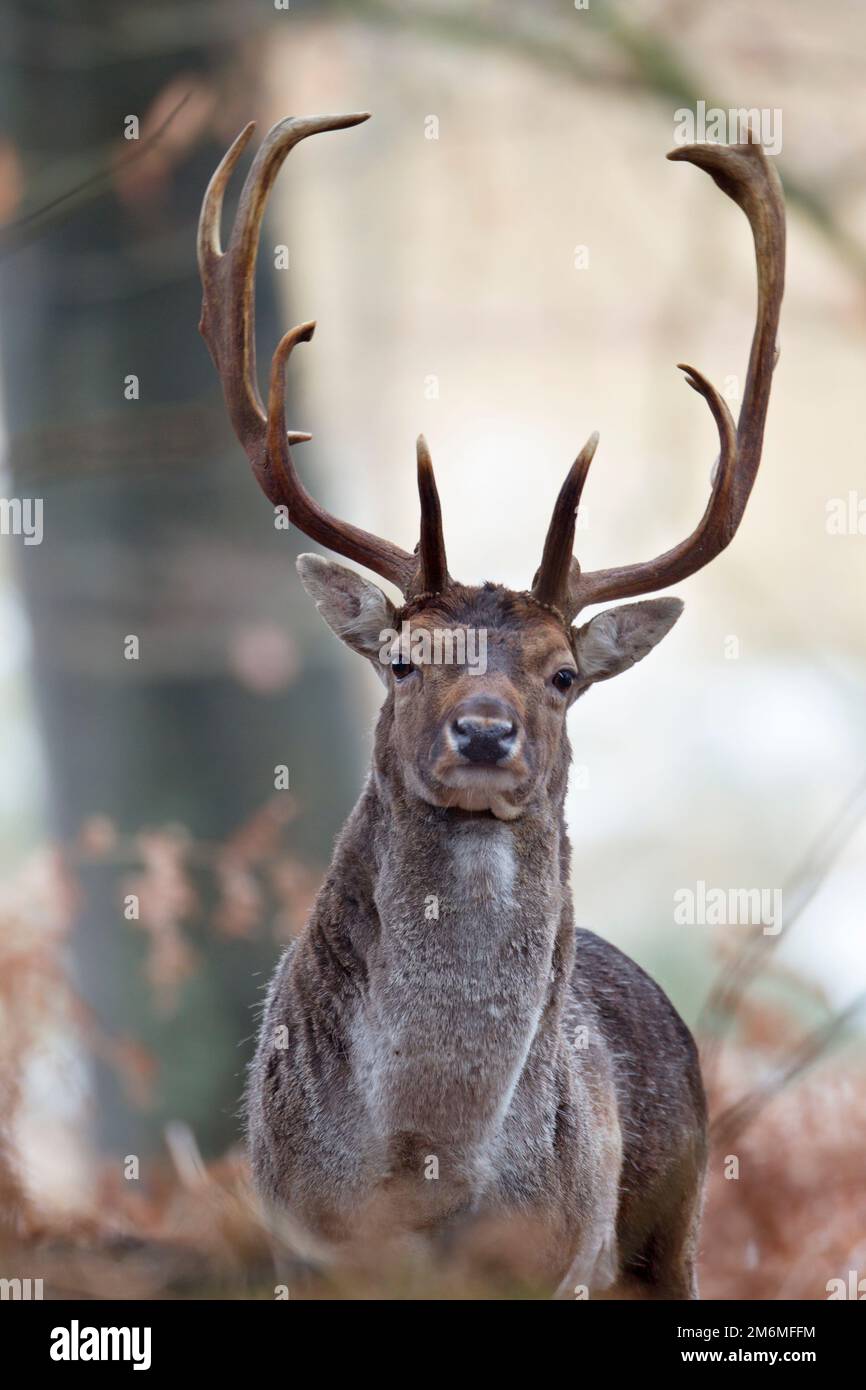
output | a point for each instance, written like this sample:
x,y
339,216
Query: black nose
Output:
x,y
483,731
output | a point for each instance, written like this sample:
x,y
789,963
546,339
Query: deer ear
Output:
x,y
614,640
356,610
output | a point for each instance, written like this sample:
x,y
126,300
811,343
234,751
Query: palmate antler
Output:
x,y
227,325
745,174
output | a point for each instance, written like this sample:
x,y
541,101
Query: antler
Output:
x,y
744,173
551,581
228,327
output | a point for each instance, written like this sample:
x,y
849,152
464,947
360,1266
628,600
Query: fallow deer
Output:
x,y
393,1035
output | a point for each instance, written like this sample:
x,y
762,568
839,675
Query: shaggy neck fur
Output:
x,y
466,964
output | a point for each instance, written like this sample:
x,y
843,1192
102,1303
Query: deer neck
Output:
x,y
465,963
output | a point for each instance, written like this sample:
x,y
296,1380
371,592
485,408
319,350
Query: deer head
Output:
x,y
486,742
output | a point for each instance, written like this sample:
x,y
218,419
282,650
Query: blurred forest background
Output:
x,y
503,259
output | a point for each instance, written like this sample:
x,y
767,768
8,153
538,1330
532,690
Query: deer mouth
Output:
x,y
494,791
472,778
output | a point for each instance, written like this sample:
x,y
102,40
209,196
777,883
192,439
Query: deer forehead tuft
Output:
x,y
490,606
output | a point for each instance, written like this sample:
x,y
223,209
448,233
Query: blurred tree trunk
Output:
x,y
153,527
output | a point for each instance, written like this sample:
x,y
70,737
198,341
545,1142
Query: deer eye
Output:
x,y
564,679
402,669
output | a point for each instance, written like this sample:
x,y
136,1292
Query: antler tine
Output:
x,y
713,532
228,327
550,585
433,576
241,393
745,175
